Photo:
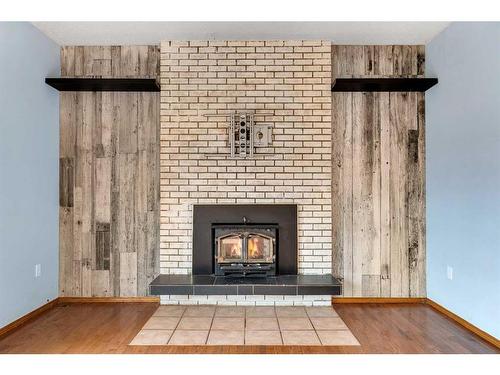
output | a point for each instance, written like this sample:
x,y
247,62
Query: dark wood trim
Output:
x,y
103,84
383,84
18,323
339,300
147,299
464,323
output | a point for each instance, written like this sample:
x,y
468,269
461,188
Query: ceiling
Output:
x,y
119,33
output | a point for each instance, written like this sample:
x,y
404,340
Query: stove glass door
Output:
x,y
230,249
259,249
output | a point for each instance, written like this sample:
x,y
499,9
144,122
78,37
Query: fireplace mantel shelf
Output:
x,y
220,285
103,84
394,84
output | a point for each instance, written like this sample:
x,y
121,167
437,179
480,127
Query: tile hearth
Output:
x,y
273,285
240,325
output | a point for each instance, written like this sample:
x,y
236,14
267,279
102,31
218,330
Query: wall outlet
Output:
x,y
38,270
449,272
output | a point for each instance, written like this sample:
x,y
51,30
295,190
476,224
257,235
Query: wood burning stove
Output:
x,y
245,239
245,250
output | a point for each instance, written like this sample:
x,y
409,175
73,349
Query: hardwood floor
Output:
x,y
109,327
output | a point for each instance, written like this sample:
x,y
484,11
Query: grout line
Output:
x,y
177,325
314,328
279,326
244,326
211,324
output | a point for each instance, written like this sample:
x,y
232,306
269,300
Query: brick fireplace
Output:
x,y
286,84
289,81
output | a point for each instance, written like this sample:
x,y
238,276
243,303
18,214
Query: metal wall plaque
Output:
x,y
262,134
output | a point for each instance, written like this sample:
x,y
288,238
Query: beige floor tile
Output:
x,y
341,337
263,338
199,311
162,322
170,311
152,337
232,324
321,312
225,337
230,311
262,324
260,311
189,337
328,323
195,323
295,324
291,311
300,338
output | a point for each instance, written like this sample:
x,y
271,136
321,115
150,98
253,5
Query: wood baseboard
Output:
x,y
16,324
146,299
464,323
377,300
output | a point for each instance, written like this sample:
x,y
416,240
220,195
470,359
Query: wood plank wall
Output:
x,y
379,176
109,176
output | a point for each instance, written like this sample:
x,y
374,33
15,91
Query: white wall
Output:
x,y
463,172
29,132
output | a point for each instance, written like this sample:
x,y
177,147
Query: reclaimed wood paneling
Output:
x,y
109,176
379,176
66,168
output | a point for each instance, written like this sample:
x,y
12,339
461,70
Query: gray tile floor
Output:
x,y
238,325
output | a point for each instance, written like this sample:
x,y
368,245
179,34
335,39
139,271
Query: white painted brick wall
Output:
x,y
246,300
290,79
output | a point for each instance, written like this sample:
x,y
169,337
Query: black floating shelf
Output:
x,y
383,84
103,84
